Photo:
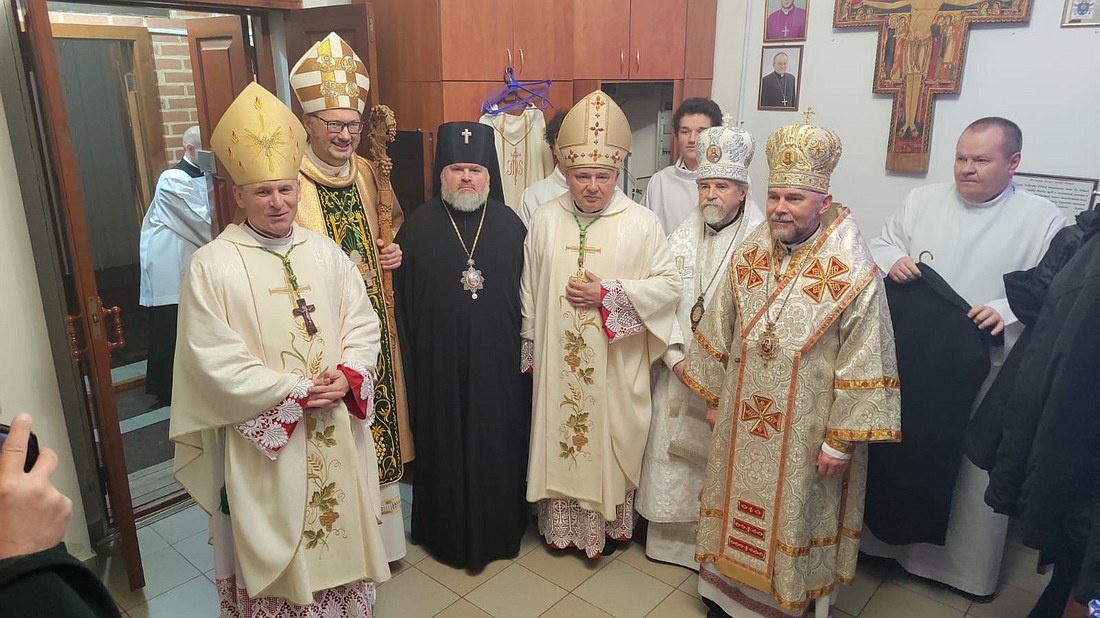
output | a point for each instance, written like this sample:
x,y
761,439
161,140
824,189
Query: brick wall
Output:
x,y
172,61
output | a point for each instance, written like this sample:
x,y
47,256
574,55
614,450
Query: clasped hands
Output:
x,y
328,391
583,295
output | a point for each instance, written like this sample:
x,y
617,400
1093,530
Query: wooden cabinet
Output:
x,y
601,39
542,39
657,39
631,39
699,40
475,39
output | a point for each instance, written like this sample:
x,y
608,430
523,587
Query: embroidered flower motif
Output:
x,y
622,318
273,436
301,389
289,411
578,357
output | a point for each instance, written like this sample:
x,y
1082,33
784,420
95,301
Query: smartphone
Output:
x,y
32,447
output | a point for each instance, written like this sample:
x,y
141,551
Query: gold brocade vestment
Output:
x,y
766,519
345,208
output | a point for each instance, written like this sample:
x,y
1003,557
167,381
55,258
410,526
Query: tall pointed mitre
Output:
x,y
330,76
594,133
724,152
258,138
802,156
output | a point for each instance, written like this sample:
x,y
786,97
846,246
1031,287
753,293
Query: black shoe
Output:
x,y
610,546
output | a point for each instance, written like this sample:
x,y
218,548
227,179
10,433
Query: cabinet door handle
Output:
x,y
622,60
522,60
509,57
638,60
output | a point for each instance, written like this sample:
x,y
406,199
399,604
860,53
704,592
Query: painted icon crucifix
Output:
x,y
921,48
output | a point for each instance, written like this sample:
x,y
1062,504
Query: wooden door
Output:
x,y
352,22
542,40
476,39
658,34
87,316
699,47
219,63
601,39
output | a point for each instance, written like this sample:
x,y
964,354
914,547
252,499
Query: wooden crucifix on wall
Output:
x,y
921,48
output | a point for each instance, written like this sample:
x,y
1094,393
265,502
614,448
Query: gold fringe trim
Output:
x,y
827,541
865,435
713,351
867,385
391,505
840,445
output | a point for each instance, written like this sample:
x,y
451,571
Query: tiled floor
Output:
x,y
540,582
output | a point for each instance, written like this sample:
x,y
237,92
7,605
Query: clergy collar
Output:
x,y
1008,192
790,249
331,171
682,171
266,240
580,213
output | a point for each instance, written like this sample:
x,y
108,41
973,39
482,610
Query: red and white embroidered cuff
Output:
x,y
526,356
360,397
271,430
620,318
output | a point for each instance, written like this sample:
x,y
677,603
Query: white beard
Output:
x,y
714,213
464,201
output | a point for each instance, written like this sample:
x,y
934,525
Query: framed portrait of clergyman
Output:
x,y
780,78
1081,13
785,20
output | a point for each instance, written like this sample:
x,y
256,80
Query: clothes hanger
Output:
x,y
516,95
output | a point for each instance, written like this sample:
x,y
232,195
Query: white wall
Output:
x,y
1040,75
28,381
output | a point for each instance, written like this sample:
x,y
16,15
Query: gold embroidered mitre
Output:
x,y
258,138
802,156
330,76
724,152
594,133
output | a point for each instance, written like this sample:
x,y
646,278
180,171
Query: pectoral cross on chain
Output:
x,y
303,312
582,249
466,136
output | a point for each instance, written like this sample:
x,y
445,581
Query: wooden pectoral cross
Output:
x,y
921,47
303,312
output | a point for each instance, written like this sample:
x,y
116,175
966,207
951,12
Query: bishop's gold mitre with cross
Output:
x,y
258,138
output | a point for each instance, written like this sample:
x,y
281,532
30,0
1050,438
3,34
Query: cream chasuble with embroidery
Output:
x,y
824,372
522,152
591,406
305,518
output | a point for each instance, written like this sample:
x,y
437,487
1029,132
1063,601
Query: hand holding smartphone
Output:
x,y
32,446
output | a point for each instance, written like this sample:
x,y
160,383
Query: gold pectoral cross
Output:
x,y
581,250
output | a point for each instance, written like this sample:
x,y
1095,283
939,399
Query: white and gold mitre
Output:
x,y
258,138
802,156
724,152
594,133
330,76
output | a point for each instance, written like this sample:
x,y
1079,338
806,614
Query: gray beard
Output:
x,y
714,213
463,201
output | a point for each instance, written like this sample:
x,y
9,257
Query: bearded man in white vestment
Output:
x,y
671,193
679,436
795,358
972,232
598,296
274,376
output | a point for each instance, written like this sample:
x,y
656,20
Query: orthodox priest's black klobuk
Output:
x,y
469,404
943,359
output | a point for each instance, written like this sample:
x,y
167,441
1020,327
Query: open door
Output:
x,y
352,22
88,319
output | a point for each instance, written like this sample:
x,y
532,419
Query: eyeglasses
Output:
x,y
335,126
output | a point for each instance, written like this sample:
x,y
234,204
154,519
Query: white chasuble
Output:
x,y
811,363
591,407
522,152
679,437
305,519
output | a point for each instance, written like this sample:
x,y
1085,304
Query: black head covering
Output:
x,y
467,142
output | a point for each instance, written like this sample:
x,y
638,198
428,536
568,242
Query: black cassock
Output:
x,y
469,405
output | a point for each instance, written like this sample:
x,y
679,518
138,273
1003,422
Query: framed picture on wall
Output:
x,y
780,77
785,20
1081,13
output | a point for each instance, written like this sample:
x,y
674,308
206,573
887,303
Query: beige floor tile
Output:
x,y
197,550
397,566
412,593
1010,602
668,573
149,541
933,590
565,568
839,614
413,553
623,591
574,607
164,570
893,601
679,605
531,539
457,580
1018,569
691,586
197,597
869,574
516,593
462,609
178,527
